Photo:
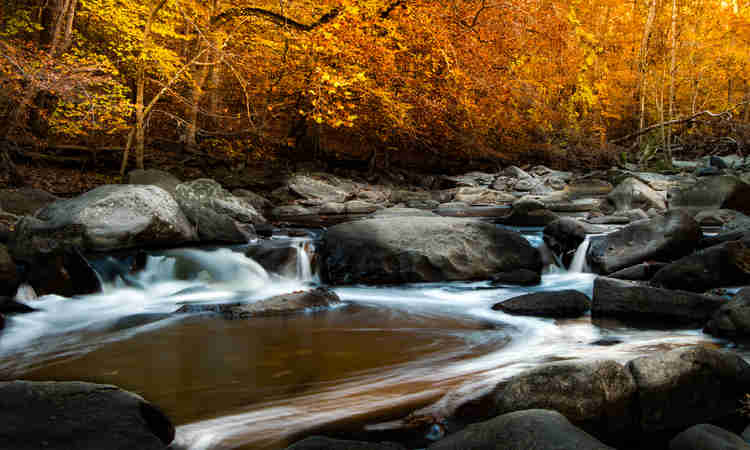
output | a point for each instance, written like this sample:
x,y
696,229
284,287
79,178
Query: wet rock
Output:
x,y
62,272
688,386
66,415
9,306
324,443
280,305
732,319
422,204
9,277
25,201
631,301
528,212
565,235
260,203
726,264
217,215
154,177
579,205
280,260
595,395
359,207
503,183
727,218
400,249
707,437
560,304
410,196
662,238
515,172
106,218
718,192
609,220
634,194
482,196
531,429
639,272
374,196
528,184
324,188
521,277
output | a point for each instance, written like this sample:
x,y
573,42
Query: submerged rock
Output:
x,y
76,415
537,429
400,249
565,303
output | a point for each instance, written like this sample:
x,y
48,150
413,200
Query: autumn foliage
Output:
x,y
507,79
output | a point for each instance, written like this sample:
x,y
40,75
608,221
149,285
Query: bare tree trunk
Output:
x,y
643,62
672,69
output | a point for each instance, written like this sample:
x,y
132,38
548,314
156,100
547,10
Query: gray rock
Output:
x,y
707,437
399,249
593,395
522,430
515,172
260,203
75,415
154,177
331,208
565,303
726,264
218,215
579,205
528,212
325,443
728,219
732,319
718,192
662,238
106,218
359,207
422,204
565,235
688,386
25,201
403,212
736,223
503,183
280,260
630,301
279,305
639,272
590,186
408,196
290,211
527,184
482,196
522,277
609,220
329,190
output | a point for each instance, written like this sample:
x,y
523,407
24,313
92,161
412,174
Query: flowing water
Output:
x,y
260,383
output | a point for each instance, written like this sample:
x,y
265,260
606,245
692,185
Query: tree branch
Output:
x,y
276,18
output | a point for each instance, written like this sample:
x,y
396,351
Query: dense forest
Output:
x,y
569,82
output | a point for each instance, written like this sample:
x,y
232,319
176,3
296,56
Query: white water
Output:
x,y
304,268
579,263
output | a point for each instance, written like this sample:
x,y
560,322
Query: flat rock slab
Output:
x,y
565,303
278,305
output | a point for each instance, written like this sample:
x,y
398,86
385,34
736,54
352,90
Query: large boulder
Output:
x,y
663,238
401,249
24,201
565,303
732,319
106,218
218,215
722,265
565,235
718,192
75,415
636,302
635,194
154,177
537,429
688,386
325,443
323,188
707,437
62,272
597,396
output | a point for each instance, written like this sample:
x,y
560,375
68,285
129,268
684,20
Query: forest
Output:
x,y
568,83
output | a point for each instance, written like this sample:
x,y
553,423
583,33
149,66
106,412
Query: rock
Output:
x,y
630,301
688,386
106,218
528,212
527,184
639,272
597,395
730,219
579,205
482,196
402,212
330,190
76,415
609,220
399,249
732,319
290,211
515,172
279,305
717,192
566,303
726,264
280,260
565,235
260,203
359,207
25,201
9,278
374,196
324,443
410,196
707,437
154,177
503,183
62,272
589,186
331,208
522,277
7,225
217,215
662,238
522,430
422,204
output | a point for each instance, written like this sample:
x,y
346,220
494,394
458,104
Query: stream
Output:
x,y
264,382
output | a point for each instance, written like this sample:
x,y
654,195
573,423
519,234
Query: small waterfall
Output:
x,y
579,263
304,265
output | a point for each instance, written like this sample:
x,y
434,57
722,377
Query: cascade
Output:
x,y
579,263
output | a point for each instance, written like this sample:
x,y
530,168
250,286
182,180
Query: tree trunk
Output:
x,y
643,62
672,69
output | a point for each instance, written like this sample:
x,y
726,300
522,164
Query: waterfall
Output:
x,y
304,265
579,263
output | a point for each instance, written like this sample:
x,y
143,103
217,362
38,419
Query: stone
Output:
x,y
482,196
662,238
9,277
260,203
62,272
573,206
589,186
329,190
528,212
409,196
559,304
107,218
359,207
688,386
521,430
217,215
155,177
279,305
639,272
728,219
515,172
325,443
627,300
732,319
725,264
716,192
280,260
403,212
521,277
402,250
565,235
289,211
25,201
331,208
76,415
707,437
12,306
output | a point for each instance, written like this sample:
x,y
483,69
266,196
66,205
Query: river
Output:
x,y
263,382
